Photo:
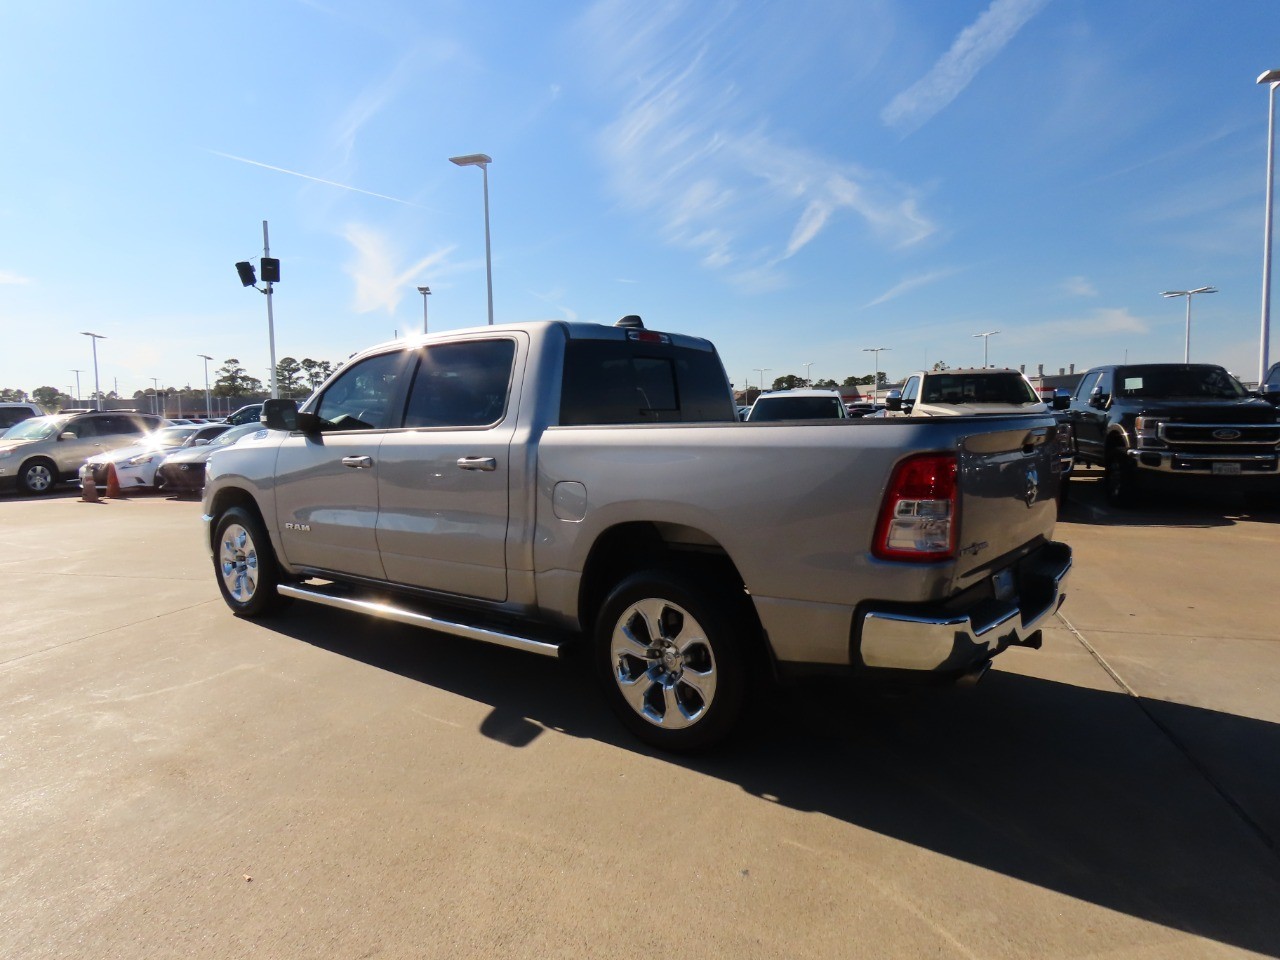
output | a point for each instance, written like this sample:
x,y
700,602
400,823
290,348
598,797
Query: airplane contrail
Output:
x,y
304,176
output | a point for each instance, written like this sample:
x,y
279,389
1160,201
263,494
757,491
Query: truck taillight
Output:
x,y
917,518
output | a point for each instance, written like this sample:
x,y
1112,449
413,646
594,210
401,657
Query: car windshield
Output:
x,y
234,434
1177,380
36,428
796,408
169,436
983,387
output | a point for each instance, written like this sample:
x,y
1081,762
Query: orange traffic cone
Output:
x,y
113,482
88,489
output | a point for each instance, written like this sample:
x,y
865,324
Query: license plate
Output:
x,y
1004,585
1226,469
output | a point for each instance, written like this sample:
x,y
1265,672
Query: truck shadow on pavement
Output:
x,y
1087,504
1160,811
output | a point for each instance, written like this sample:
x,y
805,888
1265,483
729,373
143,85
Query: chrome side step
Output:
x,y
387,611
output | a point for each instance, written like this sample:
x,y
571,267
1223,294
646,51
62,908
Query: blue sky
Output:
x,y
796,181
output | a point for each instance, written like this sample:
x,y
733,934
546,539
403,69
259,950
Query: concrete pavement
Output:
x,y
175,782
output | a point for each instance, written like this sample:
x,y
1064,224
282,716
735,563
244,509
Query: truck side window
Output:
x,y
1086,385
360,398
463,384
911,388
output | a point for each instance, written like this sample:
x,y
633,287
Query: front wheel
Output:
x,y
670,651
246,566
1121,479
38,476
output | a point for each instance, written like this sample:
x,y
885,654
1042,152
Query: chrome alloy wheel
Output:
x,y
663,664
238,561
38,478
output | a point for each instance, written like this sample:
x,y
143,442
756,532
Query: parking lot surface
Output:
x,y
175,782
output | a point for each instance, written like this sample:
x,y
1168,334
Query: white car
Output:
x,y
798,405
136,464
953,393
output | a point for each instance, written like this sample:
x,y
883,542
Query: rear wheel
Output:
x,y
670,650
38,476
246,566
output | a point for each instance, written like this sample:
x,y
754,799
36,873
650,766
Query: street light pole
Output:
x,y
986,339
77,373
97,391
762,371
208,409
426,292
271,323
1272,78
1186,352
155,394
807,381
482,161
875,381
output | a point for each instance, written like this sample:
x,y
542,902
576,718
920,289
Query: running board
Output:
x,y
387,611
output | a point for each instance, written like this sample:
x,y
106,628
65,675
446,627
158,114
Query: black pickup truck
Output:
x,y
1174,421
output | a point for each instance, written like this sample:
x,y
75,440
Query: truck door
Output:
x,y
443,478
1088,414
326,483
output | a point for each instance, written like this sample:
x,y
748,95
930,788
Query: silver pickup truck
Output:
x,y
550,485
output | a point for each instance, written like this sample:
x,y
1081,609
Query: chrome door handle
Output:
x,y
478,463
357,463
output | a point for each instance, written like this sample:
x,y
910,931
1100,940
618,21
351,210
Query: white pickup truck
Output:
x,y
546,485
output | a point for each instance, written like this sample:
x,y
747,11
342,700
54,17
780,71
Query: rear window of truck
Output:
x,y
617,382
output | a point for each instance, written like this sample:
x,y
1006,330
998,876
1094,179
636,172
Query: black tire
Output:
x,y
38,476
1121,479
245,565
671,652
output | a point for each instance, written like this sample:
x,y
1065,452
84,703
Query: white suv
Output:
x,y
799,405
12,412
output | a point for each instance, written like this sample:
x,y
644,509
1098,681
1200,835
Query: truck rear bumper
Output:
x,y
954,641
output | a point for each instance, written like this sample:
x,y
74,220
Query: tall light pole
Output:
x,y
762,371
97,391
77,373
482,161
807,381
155,393
875,382
986,339
1272,78
208,409
1186,352
426,292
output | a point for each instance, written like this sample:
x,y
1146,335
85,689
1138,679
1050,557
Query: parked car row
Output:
x,y
40,452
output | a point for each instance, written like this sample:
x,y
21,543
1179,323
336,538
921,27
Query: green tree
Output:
x,y
789,382
316,371
827,384
234,381
10,395
940,366
288,376
51,398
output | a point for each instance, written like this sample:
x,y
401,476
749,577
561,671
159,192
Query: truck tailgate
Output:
x,y
1008,488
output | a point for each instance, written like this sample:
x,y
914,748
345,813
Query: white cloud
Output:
x,y
379,283
682,150
912,283
1102,322
974,47
9,278
1079,287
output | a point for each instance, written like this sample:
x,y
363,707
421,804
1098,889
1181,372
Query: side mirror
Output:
x,y
67,435
1061,400
202,442
280,415
1098,399
1270,392
893,401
